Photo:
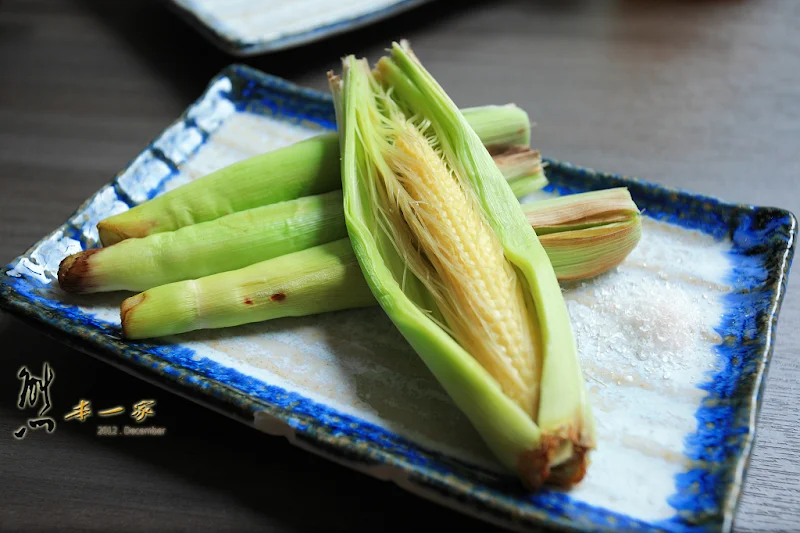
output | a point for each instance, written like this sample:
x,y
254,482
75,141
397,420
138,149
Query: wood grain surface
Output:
x,y
703,95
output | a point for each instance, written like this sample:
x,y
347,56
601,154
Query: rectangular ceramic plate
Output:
x,y
249,27
674,342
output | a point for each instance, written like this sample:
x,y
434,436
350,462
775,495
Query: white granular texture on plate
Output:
x,y
646,337
648,323
650,317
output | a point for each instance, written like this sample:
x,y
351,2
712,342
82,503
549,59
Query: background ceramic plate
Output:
x,y
249,27
674,342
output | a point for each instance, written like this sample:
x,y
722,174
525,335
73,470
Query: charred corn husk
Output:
x,y
451,258
575,254
322,278
259,234
306,168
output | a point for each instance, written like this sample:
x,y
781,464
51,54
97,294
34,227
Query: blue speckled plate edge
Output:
x,y
458,492
216,31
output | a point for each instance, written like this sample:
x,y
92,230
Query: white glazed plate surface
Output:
x,y
249,27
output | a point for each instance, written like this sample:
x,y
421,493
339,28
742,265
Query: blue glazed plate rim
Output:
x,y
451,491
216,31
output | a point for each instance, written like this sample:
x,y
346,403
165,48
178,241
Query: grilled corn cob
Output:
x,y
322,278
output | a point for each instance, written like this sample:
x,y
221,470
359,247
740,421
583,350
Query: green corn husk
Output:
x,y
586,234
322,278
181,307
303,169
579,211
232,241
227,243
452,260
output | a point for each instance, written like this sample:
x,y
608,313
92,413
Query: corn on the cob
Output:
x,y
451,258
306,168
322,278
575,254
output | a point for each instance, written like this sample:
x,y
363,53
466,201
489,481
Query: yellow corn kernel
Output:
x,y
482,299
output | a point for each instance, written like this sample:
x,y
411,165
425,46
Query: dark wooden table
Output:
x,y
703,95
